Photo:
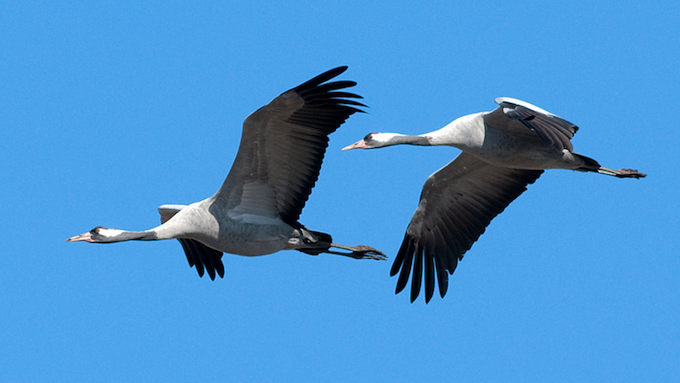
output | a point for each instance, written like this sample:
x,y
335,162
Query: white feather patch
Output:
x,y
525,104
108,233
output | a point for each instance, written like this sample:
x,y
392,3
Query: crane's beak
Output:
x,y
87,237
357,145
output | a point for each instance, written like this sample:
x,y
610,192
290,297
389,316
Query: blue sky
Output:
x,y
110,109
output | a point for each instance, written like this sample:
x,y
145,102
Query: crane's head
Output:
x,y
99,234
374,140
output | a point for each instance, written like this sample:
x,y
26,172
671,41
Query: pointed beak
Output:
x,y
87,237
357,145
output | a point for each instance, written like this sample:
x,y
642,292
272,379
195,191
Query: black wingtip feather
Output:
x,y
399,259
330,87
187,251
428,258
323,77
220,268
405,272
442,277
203,258
417,275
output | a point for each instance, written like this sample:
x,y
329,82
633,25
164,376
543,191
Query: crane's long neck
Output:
x,y
104,235
116,235
464,132
186,223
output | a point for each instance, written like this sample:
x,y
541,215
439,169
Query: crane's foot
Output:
x,y
359,252
630,173
621,173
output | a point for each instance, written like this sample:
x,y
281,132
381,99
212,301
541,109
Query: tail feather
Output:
x,y
313,242
589,164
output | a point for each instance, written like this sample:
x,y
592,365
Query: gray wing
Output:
x,y
198,254
552,129
456,205
283,145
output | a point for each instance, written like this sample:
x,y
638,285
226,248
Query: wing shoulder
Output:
x,y
551,128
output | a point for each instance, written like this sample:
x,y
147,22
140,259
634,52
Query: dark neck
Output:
x,y
409,140
126,236
138,236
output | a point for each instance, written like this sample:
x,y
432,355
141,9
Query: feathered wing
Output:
x,y
284,142
198,254
456,205
552,129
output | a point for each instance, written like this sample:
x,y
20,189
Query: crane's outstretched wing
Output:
x,y
282,148
198,254
456,205
552,129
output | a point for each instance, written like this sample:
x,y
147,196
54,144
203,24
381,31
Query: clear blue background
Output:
x,y
110,109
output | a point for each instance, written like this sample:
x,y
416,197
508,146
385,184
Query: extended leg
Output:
x,y
358,252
